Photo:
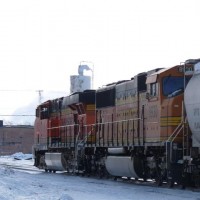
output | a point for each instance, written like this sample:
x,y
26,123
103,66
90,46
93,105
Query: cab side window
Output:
x,y
153,89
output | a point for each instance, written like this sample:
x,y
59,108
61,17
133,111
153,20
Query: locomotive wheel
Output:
x,y
197,181
100,172
82,174
159,181
159,178
100,175
170,183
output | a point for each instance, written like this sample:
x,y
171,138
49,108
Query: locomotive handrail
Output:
x,y
125,120
176,132
178,129
84,139
90,132
62,126
87,130
78,143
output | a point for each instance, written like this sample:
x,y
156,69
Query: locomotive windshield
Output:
x,y
173,86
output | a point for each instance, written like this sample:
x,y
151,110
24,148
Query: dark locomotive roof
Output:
x,y
123,85
141,82
192,61
106,87
105,96
110,86
87,97
154,70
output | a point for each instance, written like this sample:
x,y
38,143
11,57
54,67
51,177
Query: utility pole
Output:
x,y
40,95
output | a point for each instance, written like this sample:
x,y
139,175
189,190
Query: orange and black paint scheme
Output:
x,y
142,119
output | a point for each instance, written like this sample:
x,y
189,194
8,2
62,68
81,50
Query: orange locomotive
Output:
x,y
134,128
60,125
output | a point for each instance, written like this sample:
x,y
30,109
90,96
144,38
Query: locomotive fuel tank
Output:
x,y
192,104
55,161
121,166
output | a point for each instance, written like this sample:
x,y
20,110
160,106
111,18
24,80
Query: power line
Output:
x,y
18,115
13,90
46,91
40,95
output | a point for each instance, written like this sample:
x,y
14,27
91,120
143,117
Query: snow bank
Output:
x,y
21,156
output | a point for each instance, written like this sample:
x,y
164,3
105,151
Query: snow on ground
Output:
x,y
21,156
18,185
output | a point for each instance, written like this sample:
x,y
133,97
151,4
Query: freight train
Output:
x,y
147,127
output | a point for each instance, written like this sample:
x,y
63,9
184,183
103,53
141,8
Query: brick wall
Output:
x,y
16,139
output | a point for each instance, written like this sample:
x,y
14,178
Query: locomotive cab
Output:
x,y
165,119
165,103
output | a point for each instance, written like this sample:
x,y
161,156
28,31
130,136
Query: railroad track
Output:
x,y
31,168
139,182
19,167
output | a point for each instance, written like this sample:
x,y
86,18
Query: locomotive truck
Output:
x,y
147,127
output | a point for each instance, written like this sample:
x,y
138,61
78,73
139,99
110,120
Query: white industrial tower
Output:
x,y
81,82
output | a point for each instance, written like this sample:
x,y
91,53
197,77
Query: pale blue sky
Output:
x,y
42,42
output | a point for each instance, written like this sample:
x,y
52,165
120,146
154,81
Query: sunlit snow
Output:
x,y
38,185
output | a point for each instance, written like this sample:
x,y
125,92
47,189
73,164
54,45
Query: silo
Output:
x,y
79,83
